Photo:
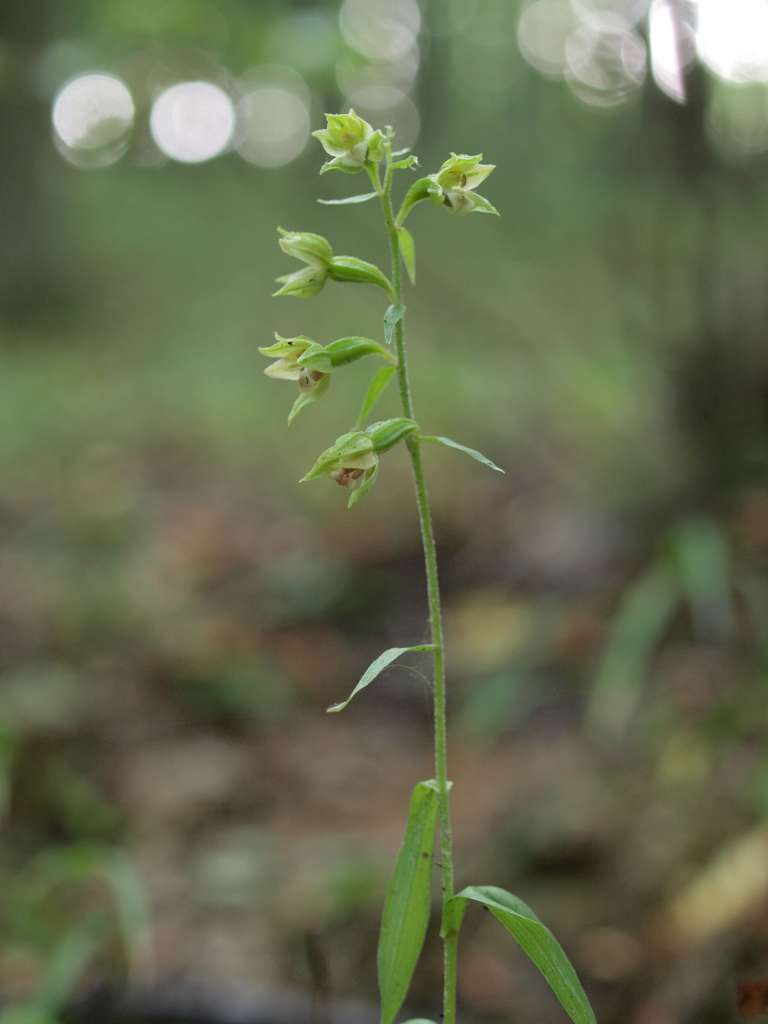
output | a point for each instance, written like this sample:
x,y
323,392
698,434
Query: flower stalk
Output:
x,y
449,934
353,462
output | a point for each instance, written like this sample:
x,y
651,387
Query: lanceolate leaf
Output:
x,y
538,942
392,318
408,252
375,669
406,909
349,199
471,452
378,383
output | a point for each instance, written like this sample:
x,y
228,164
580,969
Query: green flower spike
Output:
x,y
353,459
351,141
310,364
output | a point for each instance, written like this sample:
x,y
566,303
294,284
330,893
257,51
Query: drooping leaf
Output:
x,y
379,381
348,200
406,909
471,452
376,667
392,317
408,252
538,943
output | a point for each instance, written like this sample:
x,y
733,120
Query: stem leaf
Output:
x,y
392,318
539,944
348,200
375,669
379,382
408,252
471,452
406,909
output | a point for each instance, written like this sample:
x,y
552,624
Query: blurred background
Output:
x,y
187,837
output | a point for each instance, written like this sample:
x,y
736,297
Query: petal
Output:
x,y
283,369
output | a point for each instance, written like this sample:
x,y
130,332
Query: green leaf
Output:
x,y
408,252
375,669
348,200
538,943
379,382
407,164
471,452
419,190
406,909
392,318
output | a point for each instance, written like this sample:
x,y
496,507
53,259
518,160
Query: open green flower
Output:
x,y
353,459
351,141
310,364
457,179
452,186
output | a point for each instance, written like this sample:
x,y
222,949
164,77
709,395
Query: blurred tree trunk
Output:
x,y
27,264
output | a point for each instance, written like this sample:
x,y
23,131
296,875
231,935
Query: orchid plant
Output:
x,y
353,462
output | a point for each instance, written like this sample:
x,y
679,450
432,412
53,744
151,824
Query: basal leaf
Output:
x,y
471,452
375,669
539,944
392,318
348,200
406,909
379,382
408,252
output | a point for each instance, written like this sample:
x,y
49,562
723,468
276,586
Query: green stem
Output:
x,y
449,935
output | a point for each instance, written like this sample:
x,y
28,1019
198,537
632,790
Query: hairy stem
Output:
x,y
449,935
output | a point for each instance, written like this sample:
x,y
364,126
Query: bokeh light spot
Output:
x,y
273,120
92,115
192,121
542,33
606,62
382,105
380,31
732,38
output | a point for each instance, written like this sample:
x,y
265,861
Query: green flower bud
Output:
x,y
302,283
351,141
314,250
350,268
387,433
348,454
